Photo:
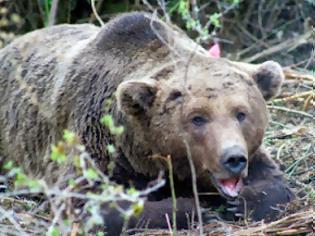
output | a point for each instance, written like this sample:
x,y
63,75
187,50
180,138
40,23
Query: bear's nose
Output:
x,y
234,160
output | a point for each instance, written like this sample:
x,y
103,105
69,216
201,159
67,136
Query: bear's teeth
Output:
x,y
232,186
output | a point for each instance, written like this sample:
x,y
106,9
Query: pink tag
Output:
x,y
215,51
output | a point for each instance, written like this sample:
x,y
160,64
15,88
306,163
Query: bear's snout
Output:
x,y
234,159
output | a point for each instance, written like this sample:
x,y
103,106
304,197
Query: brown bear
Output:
x,y
171,97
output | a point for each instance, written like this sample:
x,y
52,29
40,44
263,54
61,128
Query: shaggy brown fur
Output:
x,y
168,89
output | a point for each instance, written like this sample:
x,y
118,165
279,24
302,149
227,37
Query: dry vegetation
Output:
x,y
278,30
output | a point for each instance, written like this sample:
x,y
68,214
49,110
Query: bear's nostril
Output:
x,y
235,164
234,160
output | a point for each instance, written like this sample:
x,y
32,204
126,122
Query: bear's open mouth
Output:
x,y
231,186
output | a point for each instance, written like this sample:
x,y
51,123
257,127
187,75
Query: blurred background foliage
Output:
x,y
248,30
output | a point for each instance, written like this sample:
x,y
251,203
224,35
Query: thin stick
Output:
x,y
53,13
92,17
288,44
194,185
189,156
75,229
293,97
171,178
168,224
308,101
292,74
96,14
291,111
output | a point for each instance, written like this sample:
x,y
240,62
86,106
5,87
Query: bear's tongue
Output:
x,y
231,186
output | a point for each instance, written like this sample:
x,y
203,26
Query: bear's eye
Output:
x,y
240,116
199,121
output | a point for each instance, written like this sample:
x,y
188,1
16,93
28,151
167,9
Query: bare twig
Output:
x,y
194,9
93,15
53,13
188,151
162,4
292,74
168,224
291,111
289,44
293,97
75,229
171,178
194,186
308,101
96,14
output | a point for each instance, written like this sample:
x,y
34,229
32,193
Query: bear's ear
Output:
x,y
269,78
135,97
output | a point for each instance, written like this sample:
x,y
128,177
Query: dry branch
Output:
x,y
289,44
285,109
53,13
292,74
293,97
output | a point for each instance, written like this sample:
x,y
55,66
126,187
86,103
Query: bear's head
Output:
x,y
213,106
213,110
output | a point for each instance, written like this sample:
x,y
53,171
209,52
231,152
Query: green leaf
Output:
x,y
71,183
183,8
215,19
220,209
54,232
20,179
108,103
235,2
91,174
118,130
57,153
137,209
132,191
76,161
111,148
33,184
8,165
107,120
69,136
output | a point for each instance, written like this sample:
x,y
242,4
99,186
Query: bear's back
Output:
x,y
33,68
36,56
